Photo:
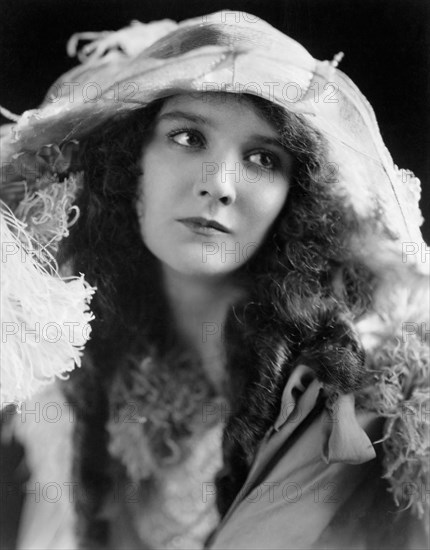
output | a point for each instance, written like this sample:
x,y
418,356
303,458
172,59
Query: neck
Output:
x,y
199,307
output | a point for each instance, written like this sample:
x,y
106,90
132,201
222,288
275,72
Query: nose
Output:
x,y
218,180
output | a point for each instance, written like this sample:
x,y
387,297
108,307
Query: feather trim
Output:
x,y
399,391
157,405
45,318
48,212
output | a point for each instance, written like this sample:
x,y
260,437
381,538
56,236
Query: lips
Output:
x,y
204,226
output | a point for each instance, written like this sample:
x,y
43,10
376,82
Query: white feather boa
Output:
x,y
45,318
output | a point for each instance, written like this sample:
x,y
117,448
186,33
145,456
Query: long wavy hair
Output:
x,y
304,291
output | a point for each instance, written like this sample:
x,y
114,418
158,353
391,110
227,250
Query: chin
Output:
x,y
195,267
190,259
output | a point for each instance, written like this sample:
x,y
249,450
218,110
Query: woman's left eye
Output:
x,y
267,160
186,137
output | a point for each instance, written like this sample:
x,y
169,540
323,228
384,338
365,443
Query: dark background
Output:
x,y
387,54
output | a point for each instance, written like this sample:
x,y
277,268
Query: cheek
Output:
x,y
152,196
140,209
149,208
267,202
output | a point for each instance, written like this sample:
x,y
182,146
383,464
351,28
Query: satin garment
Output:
x,y
316,481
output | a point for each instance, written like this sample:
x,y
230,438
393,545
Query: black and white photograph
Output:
x,y
215,275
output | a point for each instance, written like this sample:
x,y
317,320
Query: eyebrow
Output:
x,y
181,114
173,115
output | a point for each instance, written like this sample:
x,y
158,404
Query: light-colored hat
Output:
x,y
232,52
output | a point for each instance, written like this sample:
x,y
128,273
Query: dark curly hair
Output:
x,y
304,291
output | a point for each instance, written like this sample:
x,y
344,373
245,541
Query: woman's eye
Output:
x,y
265,160
186,138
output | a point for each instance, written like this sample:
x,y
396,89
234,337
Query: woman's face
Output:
x,y
214,180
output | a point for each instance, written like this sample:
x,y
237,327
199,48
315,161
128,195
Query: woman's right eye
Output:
x,y
186,137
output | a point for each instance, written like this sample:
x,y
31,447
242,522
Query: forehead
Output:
x,y
220,107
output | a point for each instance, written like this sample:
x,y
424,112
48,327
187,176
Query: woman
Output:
x,y
246,246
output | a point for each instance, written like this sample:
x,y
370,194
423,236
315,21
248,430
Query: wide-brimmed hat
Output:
x,y
226,51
